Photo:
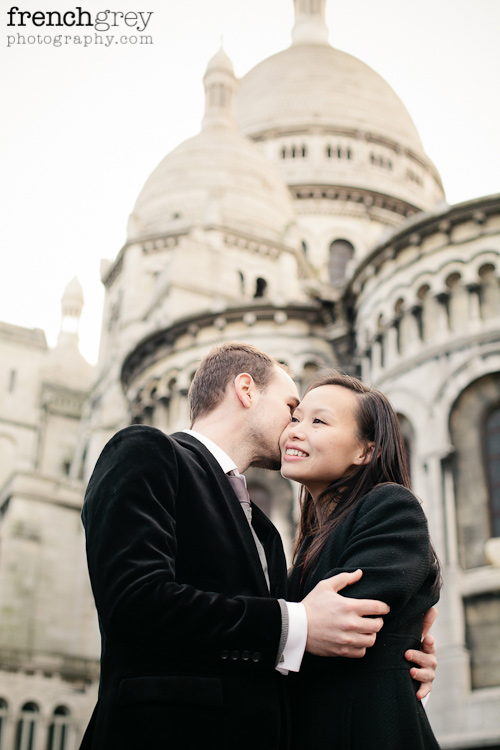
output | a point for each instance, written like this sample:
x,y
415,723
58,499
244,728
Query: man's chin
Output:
x,y
271,463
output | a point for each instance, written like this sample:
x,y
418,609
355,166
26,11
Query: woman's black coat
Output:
x,y
369,703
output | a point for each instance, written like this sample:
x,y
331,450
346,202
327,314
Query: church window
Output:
x,y
309,372
3,719
26,727
283,153
489,292
12,381
341,252
408,439
242,281
492,458
304,247
57,738
482,618
293,152
380,161
260,288
339,152
304,151
414,177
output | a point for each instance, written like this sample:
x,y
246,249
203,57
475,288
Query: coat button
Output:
x,y
245,655
224,655
256,657
235,655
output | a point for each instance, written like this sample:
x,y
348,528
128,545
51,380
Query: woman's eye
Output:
x,y
317,421
293,419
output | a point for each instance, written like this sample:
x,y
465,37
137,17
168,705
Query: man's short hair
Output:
x,y
220,367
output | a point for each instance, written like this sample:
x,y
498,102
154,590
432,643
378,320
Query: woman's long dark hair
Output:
x,y
377,423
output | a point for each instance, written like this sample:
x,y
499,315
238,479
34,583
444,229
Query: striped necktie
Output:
x,y
240,490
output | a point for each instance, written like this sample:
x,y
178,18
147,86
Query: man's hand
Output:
x,y
338,625
426,658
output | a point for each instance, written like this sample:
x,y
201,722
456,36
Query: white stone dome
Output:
x,y
220,179
217,179
313,85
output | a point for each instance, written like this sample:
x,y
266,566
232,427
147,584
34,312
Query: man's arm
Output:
x,y
340,626
327,624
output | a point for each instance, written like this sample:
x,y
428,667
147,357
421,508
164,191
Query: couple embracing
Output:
x,y
206,643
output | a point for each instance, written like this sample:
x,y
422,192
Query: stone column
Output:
x,y
454,667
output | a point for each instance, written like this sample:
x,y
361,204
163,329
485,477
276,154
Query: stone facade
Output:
x,y
304,218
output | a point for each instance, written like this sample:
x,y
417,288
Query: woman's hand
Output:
x,y
426,658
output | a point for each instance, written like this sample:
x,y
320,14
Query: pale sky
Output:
x,y
82,128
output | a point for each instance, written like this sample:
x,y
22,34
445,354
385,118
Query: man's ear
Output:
x,y
244,388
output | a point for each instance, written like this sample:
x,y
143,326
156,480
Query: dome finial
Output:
x,y
310,22
71,310
220,89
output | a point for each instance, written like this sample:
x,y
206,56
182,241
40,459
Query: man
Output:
x,y
190,595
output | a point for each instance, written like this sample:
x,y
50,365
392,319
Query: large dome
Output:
x,y
316,86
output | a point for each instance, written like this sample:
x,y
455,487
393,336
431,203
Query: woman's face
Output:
x,y
321,444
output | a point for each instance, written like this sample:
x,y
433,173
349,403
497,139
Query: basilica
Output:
x,y
305,218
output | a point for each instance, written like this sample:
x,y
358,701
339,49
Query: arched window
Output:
x,y
57,738
341,252
408,439
310,371
492,458
304,248
260,288
26,727
3,719
242,281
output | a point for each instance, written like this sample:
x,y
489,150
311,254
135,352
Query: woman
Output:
x,y
345,446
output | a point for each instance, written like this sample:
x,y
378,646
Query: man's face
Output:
x,y
272,413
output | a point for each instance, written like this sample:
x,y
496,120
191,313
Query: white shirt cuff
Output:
x,y
295,645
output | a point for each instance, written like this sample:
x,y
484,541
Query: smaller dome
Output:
x,y
219,178
220,61
73,294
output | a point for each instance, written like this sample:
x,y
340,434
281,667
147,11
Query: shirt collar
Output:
x,y
225,462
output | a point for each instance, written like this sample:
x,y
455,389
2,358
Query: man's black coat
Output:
x,y
190,632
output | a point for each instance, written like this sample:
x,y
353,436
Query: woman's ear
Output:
x,y
366,453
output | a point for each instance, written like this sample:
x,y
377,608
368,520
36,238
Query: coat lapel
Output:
x,y
228,505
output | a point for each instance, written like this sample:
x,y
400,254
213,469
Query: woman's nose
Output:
x,y
294,429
